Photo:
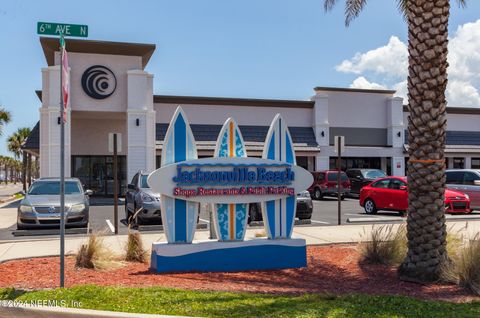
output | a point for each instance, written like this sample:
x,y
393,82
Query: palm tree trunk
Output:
x,y
427,81
24,171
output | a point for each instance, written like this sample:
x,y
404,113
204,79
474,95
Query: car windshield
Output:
x,y
374,174
332,176
53,188
143,181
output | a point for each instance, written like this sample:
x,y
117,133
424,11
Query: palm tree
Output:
x,y
3,161
5,118
15,143
427,81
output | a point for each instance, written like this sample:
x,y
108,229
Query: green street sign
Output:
x,y
48,28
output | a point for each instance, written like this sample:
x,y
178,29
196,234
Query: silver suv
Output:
x,y
139,196
466,181
41,205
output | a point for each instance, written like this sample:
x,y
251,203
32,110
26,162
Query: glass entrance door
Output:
x,y
96,173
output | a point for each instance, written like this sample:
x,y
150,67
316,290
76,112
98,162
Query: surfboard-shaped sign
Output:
x,y
179,216
279,215
230,180
230,218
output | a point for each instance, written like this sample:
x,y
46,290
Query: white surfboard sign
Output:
x,y
230,180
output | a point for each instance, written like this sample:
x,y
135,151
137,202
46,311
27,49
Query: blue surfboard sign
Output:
x,y
230,218
179,216
279,214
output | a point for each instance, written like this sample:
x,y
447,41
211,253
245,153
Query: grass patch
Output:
x,y
156,300
384,245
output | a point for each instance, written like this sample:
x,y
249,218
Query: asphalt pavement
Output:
x,y
325,213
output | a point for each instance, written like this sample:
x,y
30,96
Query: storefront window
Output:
x,y
475,163
458,163
349,163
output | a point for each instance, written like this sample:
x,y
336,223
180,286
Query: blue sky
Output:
x,y
250,48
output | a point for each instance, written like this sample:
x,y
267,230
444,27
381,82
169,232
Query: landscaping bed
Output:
x,y
331,269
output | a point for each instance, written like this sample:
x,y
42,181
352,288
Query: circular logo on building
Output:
x,y
99,82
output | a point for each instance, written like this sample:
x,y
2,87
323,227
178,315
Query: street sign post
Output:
x,y
59,29
62,30
115,146
339,147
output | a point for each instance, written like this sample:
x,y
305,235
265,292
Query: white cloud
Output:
x,y
390,59
464,52
388,64
460,93
401,90
362,82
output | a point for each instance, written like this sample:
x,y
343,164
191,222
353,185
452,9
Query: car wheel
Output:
x,y
21,227
342,197
254,213
370,207
317,194
127,213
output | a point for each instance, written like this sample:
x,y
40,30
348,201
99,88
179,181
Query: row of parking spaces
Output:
x,y
324,213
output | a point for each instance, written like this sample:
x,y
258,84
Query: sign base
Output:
x,y
214,256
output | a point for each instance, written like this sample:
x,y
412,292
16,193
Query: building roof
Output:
x,y
357,90
300,135
32,143
169,99
50,45
458,138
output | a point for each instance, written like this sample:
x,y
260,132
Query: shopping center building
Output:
x,y
110,92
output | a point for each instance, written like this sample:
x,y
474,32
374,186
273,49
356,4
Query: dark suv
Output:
x,y
362,177
304,208
325,184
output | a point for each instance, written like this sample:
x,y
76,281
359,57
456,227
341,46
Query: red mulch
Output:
x,y
333,269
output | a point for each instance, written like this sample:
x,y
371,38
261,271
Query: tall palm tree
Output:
x,y
15,143
427,81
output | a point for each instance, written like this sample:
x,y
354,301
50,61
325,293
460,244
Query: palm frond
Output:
x,y
353,9
402,8
329,4
5,116
462,3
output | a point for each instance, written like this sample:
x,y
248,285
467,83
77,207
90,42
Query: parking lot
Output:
x,y
325,213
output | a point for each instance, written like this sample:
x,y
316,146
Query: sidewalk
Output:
x,y
314,235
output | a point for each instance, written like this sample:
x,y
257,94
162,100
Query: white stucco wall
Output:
x,y
244,115
118,64
457,122
90,133
359,110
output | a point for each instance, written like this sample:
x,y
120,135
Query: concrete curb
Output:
x,y
61,312
381,219
8,201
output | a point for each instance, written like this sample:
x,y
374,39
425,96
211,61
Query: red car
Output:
x,y
391,194
325,184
